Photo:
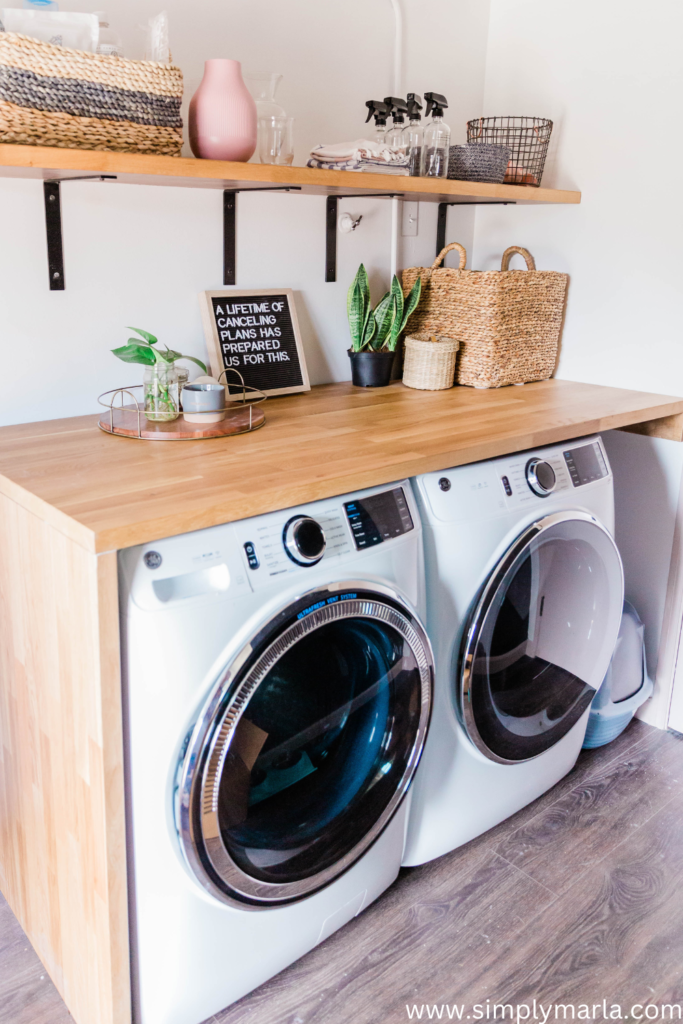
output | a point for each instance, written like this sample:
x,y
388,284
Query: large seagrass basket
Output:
x,y
54,96
508,322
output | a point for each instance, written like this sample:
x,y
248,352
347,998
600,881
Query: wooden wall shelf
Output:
x,y
53,166
138,169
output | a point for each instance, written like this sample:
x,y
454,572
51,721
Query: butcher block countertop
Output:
x,y
106,492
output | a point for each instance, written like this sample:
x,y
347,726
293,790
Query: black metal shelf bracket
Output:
x,y
331,211
230,226
443,214
53,226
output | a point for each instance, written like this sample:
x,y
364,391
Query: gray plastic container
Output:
x,y
625,687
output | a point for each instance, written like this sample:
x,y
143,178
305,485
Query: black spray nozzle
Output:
x,y
397,106
378,110
436,103
414,106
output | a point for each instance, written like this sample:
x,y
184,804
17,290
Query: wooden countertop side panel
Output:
x,y
114,492
62,822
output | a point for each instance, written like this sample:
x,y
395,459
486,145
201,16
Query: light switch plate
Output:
x,y
410,218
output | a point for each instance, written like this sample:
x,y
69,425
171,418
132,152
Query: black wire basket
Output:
x,y
527,138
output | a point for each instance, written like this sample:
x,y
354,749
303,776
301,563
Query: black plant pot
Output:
x,y
371,369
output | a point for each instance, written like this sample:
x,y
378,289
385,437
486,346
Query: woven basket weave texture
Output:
x,y
508,322
54,96
429,365
478,162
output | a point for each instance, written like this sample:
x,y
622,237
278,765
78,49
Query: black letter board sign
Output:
x,y
257,334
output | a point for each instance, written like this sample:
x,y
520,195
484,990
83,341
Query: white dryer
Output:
x,y
524,600
277,692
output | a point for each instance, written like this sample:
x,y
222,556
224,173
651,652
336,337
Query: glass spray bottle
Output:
x,y
379,110
415,133
437,138
397,136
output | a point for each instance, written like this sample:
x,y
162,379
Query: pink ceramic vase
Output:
x,y
223,120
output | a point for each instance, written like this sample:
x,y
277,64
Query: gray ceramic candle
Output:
x,y
203,403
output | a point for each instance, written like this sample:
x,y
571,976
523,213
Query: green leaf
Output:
x,y
383,314
136,353
397,307
357,305
192,359
356,313
149,338
411,304
390,343
369,330
163,357
362,278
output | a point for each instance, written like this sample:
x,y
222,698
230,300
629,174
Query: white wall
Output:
x,y
139,255
649,520
609,74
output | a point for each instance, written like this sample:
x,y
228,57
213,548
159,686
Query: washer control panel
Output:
x,y
378,517
586,463
294,541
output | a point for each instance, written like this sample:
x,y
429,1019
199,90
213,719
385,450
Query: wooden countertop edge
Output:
x,y
43,510
213,515
530,424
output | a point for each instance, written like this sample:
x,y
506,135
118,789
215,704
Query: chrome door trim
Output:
x,y
512,556
203,754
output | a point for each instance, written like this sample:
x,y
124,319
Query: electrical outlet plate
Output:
x,y
410,219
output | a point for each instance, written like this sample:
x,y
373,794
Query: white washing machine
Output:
x,y
524,600
277,693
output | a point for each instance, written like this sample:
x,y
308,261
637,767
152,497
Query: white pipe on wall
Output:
x,y
396,91
398,46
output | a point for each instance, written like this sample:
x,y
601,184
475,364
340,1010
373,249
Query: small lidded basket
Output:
x,y
429,363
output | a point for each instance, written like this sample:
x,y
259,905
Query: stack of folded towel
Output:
x,y
359,155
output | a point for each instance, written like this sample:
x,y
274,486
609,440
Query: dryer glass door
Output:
x,y
539,641
303,756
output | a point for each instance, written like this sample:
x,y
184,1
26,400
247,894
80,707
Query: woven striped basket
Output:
x,y
54,96
429,363
508,322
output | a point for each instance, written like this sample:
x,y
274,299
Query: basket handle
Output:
x,y
442,255
509,253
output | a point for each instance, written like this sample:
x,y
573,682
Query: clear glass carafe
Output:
x,y
263,85
161,393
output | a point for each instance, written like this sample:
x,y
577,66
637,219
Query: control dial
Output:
x,y
304,540
540,477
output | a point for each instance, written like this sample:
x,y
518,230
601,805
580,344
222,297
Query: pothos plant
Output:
x,y
144,352
160,402
378,329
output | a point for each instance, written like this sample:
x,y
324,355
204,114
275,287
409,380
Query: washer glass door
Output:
x,y
302,758
539,641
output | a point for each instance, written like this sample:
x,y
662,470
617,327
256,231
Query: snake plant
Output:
x,y
143,351
378,330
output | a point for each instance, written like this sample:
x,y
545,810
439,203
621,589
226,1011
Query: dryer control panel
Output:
x,y
521,481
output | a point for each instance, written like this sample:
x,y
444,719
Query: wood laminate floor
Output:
x,y
576,899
